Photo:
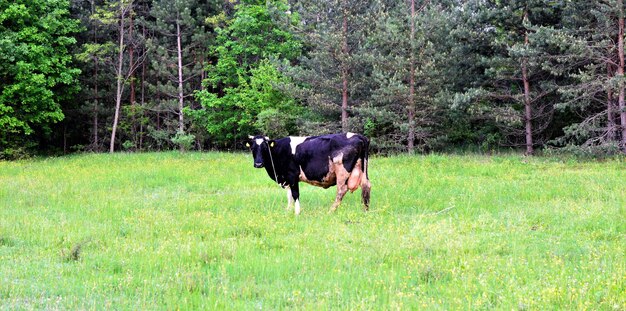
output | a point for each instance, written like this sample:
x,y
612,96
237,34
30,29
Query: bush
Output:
x,y
602,151
16,153
184,141
128,145
274,123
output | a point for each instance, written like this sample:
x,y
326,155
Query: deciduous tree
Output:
x,y
36,70
242,94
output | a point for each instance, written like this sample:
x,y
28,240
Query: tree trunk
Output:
x,y
527,112
620,75
411,106
344,75
64,138
96,145
95,88
202,72
611,134
143,91
118,95
181,123
527,107
131,54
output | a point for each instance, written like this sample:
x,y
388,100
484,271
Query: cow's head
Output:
x,y
259,145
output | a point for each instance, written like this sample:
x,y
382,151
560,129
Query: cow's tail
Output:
x,y
366,186
365,155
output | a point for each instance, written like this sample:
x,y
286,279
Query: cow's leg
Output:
x,y
289,198
366,186
355,177
295,194
342,186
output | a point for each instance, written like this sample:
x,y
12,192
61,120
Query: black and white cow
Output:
x,y
323,161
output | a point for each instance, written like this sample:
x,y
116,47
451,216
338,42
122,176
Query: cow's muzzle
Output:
x,y
258,165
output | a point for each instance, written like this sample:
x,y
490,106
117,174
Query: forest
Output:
x,y
415,76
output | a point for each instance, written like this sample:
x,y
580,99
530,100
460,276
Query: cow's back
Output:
x,y
315,153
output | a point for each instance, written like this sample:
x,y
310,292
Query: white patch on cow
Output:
x,y
297,206
338,159
349,135
259,141
289,198
294,141
302,175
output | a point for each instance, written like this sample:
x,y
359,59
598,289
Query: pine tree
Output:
x,y
403,51
592,58
516,91
330,77
181,42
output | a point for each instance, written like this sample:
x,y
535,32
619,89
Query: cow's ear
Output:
x,y
272,143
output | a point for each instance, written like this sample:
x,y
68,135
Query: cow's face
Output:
x,y
258,145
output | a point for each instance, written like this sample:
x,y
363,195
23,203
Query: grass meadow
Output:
x,y
208,231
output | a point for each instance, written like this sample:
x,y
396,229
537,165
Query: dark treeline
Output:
x,y
413,75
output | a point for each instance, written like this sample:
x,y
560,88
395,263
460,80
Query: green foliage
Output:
x,y
495,35
587,62
253,106
276,123
183,141
21,151
389,55
204,231
242,94
195,38
128,145
334,55
278,67
160,138
36,71
585,152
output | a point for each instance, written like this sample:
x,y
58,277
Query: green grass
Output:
x,y
208,231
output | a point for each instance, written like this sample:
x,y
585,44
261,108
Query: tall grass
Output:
x,y
208,231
